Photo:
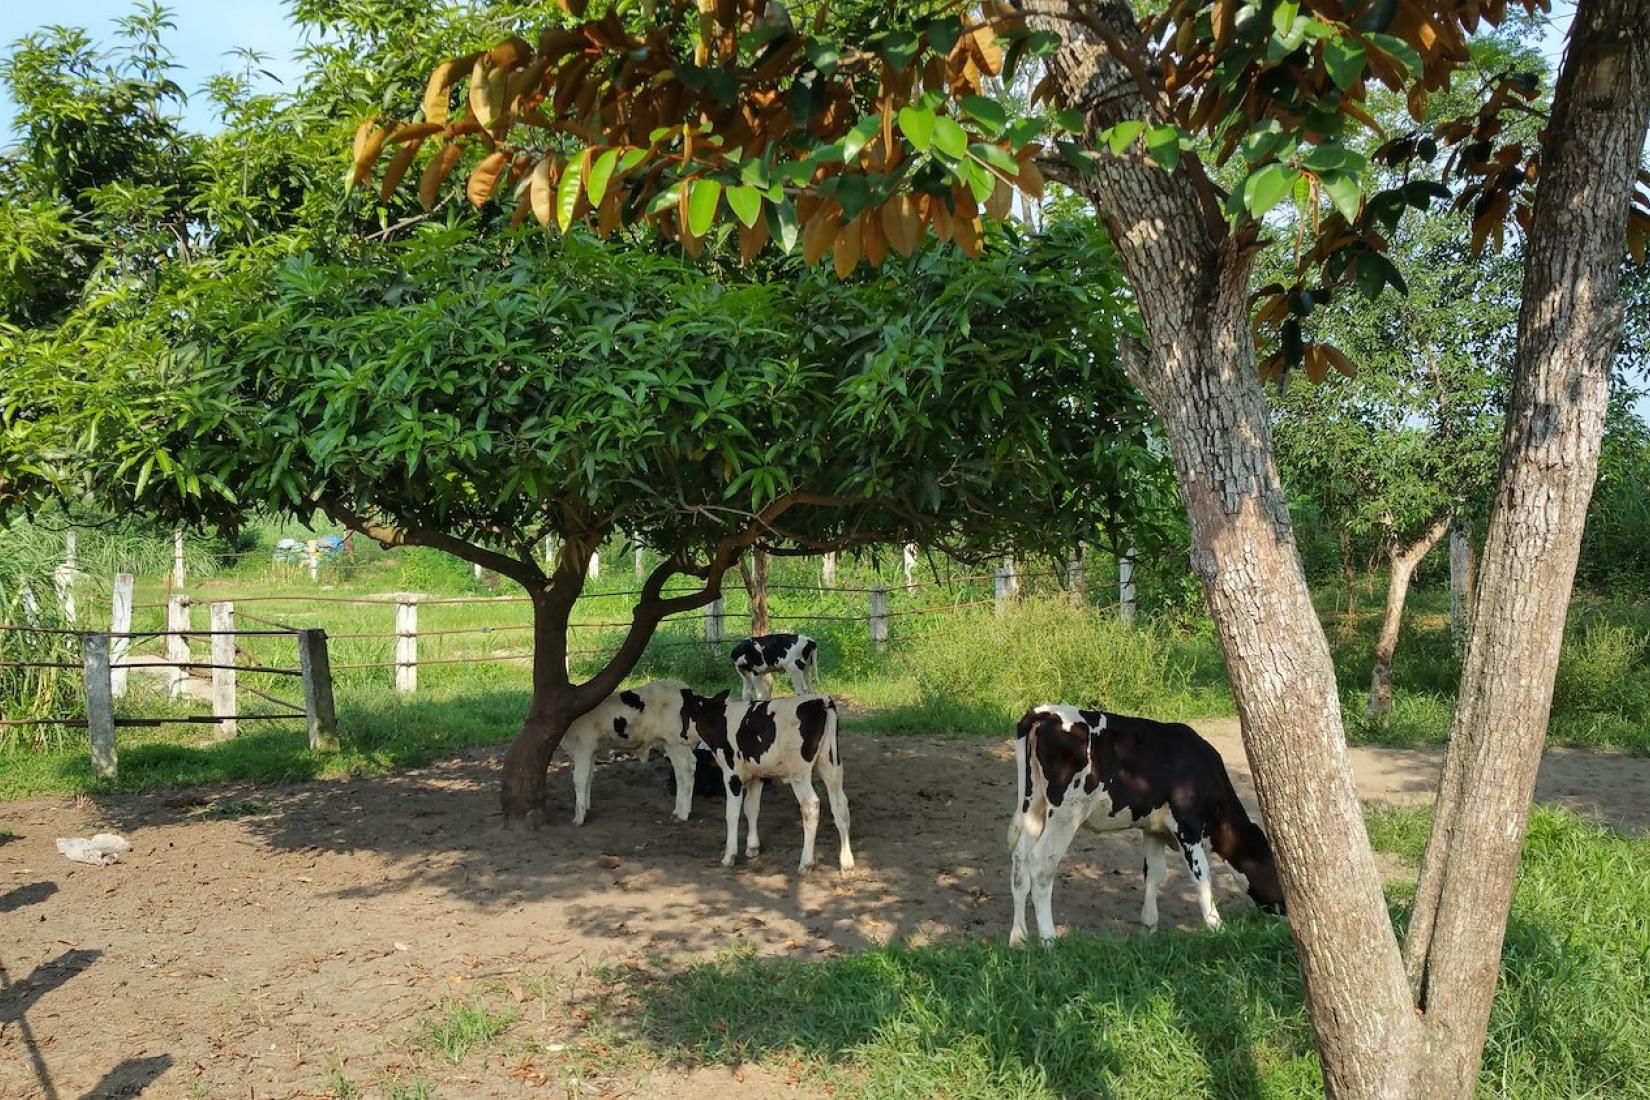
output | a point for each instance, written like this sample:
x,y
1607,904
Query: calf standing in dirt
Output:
x,y
784,739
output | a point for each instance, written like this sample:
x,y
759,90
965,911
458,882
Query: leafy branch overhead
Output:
x,y
856,140
851,151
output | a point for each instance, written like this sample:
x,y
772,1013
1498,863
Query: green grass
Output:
x,y
456,1027
1182,1014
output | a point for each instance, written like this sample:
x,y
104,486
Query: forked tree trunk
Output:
x,y
1198,371
1568,326
549,713
1462,567
1402,561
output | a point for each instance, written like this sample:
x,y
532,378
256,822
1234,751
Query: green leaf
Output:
x,y
567,192
702,200
898,48
1266,187
782,224
979,181
860,136
1163,143
995,156
1379,15
601,170
746,204
1071,121
1343,191
1024,130
988,113
1344,58
632,159
1121,136
853,193
917,124
950,138
1403,51
942,33
824,55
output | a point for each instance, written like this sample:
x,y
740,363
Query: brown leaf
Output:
x,y
607,218
368,149
940,215
523,208
1333,356
480,105
1001,203
414,131
1222,19
983,48
819,233
752,238
1487,219
901,224
542,190
438,92
435,174
398,169
873,241
1316,368
1418,103
484,177
970,236
846,248
511,53
1030,179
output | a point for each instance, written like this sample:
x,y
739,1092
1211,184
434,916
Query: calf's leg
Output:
x,y
1197,861
809,801
1020,883
683,764
1058,831
799,678
753,806
1157,866
735,791
832,775
584,765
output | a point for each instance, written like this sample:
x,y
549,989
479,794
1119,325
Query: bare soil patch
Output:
x,y
307,935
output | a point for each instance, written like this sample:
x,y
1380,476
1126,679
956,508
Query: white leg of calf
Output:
x,y
732,846
1058,830
683,764
584,764
1197,861
767,686
832,775
799,679
1157,865
1020,883
809,801
750,689
753,807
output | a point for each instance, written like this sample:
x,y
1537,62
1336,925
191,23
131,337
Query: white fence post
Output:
x,y
64,577
827,570
1005,586
31,606
120,623
177,557
318,703
100,705
910,565
641,564
1075,583
406,646
715,631
223,676
879,616
1125,586
595,565
177,645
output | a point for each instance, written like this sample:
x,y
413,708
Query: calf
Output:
x,y
645,718
707,777
796,655
786,739
1109,772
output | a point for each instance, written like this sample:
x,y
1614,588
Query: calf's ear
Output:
x,y
722,695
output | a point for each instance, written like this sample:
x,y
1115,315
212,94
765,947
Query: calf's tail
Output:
x,y
1029,805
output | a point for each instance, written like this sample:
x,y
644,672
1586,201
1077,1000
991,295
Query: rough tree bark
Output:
x,y
1197,369
1462,568
756,587
1568,326
1402,559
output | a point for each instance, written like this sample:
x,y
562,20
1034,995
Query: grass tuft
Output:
x,y
458,1026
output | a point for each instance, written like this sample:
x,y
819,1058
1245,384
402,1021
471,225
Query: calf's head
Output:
x,y
1253,859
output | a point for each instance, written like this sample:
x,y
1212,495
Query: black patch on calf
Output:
x,y
619,725
757,732
811,716
632,700
1060,752
763,654
708,715
707,777
734,785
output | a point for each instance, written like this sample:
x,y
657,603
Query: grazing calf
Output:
x,y
645,718
707,777
796,655
1108,772
784,739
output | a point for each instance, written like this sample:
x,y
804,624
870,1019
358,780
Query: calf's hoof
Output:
x,y
727,861
846,863
578,819
1017,938
804,867
752,853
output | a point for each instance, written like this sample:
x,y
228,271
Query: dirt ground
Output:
x,y
277,953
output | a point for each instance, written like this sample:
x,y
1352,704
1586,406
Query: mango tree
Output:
x,y
859,136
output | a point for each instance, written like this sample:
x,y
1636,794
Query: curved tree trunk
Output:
x,y
1402,563
1568,327
551,711
1198,371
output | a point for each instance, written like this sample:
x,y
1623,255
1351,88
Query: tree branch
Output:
x,y
525,573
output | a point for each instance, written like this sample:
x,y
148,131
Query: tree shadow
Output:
x,y
16,998
32,893
129,1078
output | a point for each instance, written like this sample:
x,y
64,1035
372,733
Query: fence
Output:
x,y
108,657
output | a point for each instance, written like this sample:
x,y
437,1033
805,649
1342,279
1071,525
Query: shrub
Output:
x,y
1595,665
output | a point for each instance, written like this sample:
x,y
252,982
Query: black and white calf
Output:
x,y
643,719
1109,772
757,740
796,655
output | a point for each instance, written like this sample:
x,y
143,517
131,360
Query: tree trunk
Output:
x,y
1198,371
1568,326
550,712
759,592
1461,570
1403,560
1350,573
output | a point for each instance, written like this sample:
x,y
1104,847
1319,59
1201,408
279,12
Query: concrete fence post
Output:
x,y
406,646
120,623
319,708
1125,586
1075,584
223,676
827,570
879,617
177,557
1005,586
910,565
100,704
715,628
177,645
